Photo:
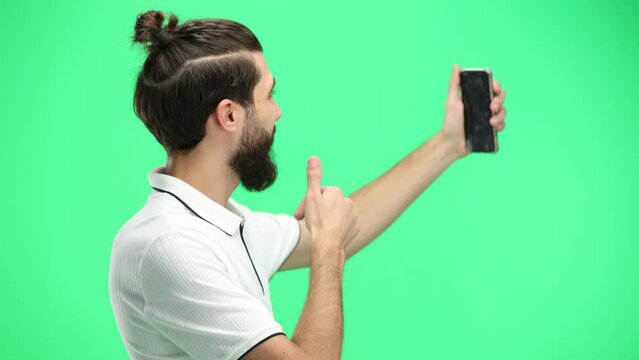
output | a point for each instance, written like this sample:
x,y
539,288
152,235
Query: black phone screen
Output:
x,y
476,96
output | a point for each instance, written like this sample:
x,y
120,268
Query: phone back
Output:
x,y
477,94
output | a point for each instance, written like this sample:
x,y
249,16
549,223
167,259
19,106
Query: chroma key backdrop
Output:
x,y
529,253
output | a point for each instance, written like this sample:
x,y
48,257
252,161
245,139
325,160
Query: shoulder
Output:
x,y
160,217
173,250
166,233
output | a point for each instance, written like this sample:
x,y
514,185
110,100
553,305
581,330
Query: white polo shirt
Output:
x,y
189,277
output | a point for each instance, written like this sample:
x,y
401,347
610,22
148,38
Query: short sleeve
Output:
x,y
189,297
282,232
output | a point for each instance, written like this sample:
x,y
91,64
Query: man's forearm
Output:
x,y
380,202
320,329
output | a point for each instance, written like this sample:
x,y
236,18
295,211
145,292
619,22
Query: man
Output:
x,y
189,272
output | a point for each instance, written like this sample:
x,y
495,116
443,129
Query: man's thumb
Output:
x,y
314,176
454,87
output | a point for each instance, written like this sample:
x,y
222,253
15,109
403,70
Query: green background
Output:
x,y
530,253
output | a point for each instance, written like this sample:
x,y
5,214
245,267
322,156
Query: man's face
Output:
x,y
251,159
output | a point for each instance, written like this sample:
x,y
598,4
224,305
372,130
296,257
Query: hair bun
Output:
x,y
149,30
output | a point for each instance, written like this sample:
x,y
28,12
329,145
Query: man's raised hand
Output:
x,y
329,216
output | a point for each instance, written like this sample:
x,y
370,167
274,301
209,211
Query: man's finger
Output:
x,y
454,87
300,212
496,87
314,176
496,104
498,90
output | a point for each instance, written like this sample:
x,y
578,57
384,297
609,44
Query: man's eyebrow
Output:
x,y
272,87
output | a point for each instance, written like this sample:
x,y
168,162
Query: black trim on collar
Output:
x,y
249,255
188,207
241,233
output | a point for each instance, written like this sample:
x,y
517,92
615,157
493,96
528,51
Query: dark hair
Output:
x,y
190,68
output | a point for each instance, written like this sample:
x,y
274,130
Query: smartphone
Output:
x,y
477,93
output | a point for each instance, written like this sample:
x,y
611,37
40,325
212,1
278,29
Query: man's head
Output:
x,y
208,80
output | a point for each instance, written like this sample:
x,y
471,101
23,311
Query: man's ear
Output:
x,y
226,115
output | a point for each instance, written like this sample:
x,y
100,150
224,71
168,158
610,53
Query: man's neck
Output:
x,y
209,175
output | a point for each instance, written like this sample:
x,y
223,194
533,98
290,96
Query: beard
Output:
x,y
252,161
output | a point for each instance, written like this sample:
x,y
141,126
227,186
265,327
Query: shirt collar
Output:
x,y
223,218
